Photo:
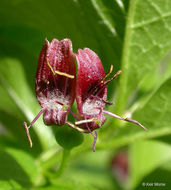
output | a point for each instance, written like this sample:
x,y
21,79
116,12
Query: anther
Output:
x,y
59,72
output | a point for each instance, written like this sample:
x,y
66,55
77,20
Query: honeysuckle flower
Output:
x,y
91,92
55,82
57,87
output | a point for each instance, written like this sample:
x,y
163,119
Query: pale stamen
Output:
x,y
114,76
62,74
108,73
65,74
85,121
76,127
52,72
59,72
107,82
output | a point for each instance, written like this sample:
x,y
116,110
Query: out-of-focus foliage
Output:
x,y
132,35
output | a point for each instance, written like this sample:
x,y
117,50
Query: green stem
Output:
x,y
50,158
65,156
122,96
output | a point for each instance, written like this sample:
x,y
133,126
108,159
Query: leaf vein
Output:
x,y
147,22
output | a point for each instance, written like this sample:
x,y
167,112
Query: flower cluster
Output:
x,y
57,86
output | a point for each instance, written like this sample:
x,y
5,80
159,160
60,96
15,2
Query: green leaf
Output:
x,y
85,22
147,41
17,167
67,137
160,179
154,115
11,184
67,185
8,106
94,168
11,119
13,81
145,157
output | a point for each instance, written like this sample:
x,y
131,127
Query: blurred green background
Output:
x,y
134,36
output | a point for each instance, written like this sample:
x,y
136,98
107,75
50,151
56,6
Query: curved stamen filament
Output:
x,y
124,119
96,90
64,74
85,121
59,72
107,74
114,76
76,127
99,90
96,87
50,67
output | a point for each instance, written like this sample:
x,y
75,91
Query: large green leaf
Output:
x,y
147,41
13,81
87,23
96,172
17,167
154,115
8,185
145,157
67,185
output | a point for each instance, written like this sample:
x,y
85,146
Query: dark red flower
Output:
x,y
91,92
56,86
55,82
